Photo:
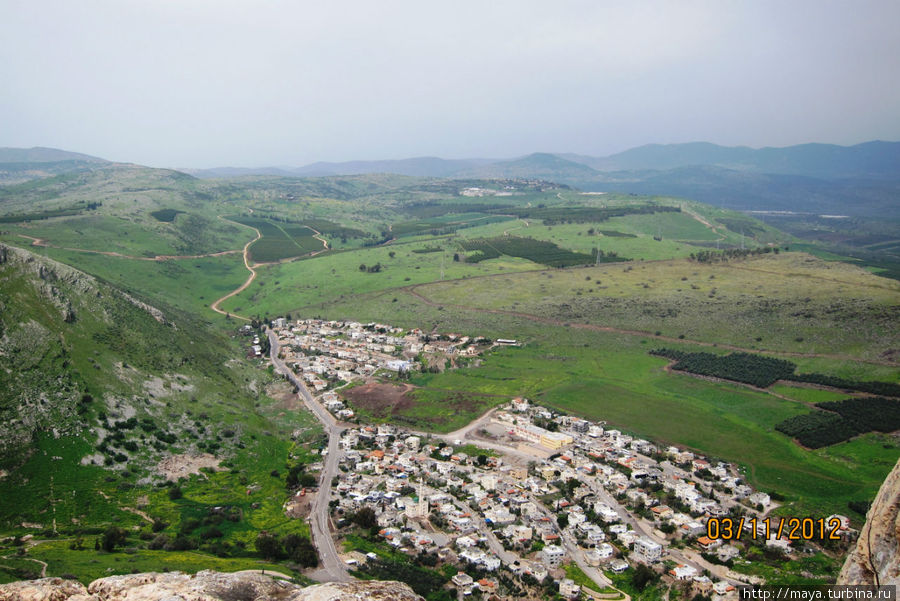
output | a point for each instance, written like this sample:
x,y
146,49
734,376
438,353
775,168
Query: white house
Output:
x,y
552,556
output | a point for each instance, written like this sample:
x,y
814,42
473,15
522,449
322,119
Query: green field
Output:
x,y
284,287
279,241
586,331
538,251
829,308
189,284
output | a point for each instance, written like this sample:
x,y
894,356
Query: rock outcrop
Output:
x,y
875,560
203,586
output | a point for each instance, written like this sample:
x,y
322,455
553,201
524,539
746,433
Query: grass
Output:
x,y
143,237
577,574
539,251
576,238
282,288
676,226
821,307
814,569
188,284
88,565
279,241
606,376
805,394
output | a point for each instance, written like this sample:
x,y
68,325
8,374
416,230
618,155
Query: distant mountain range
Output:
x,y
821,178
876,160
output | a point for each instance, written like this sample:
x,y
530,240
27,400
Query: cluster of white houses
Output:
x,y
330,351
616,500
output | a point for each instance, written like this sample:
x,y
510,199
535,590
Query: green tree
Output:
x,y
112,538
365,518
642,576
269,546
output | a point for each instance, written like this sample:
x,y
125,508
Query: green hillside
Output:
x,y
104,395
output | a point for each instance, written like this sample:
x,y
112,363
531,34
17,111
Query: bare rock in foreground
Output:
x,y
204,586
876,557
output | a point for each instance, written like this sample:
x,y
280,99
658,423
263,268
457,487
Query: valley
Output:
x,y
122,348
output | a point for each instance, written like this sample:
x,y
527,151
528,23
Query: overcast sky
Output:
x,y
202,83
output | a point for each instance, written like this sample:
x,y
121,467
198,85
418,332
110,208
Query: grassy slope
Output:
x,y
179,377
791,301
124,223
281,288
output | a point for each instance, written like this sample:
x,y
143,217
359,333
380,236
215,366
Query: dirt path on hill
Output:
x,y
318,236
43,563
597,328
700,218
42,242
242,287
137,512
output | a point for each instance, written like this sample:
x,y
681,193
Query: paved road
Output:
x,y
333,568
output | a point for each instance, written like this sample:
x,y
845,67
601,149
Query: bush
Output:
x,y
189,525
113,537
211,533
182,543
268,546
365,518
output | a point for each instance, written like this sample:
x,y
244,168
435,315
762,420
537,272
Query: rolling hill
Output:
x,y
24,164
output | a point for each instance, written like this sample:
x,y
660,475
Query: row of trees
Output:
x,y
722,256
761,371
755,370
842,420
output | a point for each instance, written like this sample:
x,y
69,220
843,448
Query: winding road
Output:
x,y
242,287
333,568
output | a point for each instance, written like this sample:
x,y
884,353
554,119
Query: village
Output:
x,y
529,494
328,353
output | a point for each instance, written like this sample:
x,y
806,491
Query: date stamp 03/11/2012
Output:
x,y
791,528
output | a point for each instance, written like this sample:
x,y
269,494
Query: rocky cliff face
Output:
x,y
204,586
876,557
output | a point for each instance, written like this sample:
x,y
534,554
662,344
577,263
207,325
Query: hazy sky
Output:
x,y
201,83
